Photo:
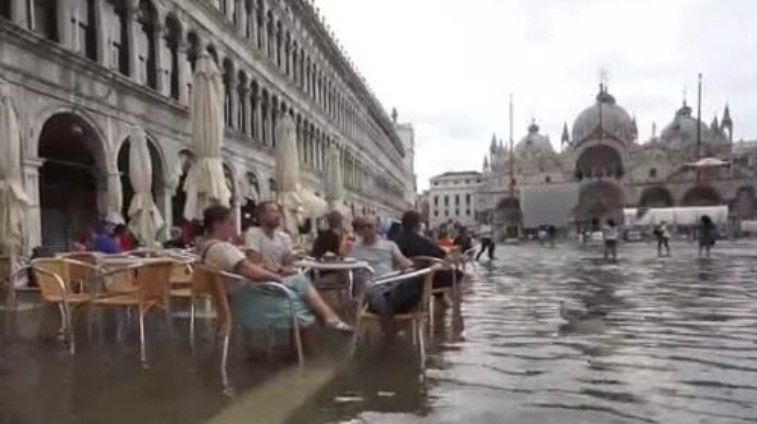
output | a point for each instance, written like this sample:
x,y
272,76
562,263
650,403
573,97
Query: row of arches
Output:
x,y
743,205
75,181
159,50
133,38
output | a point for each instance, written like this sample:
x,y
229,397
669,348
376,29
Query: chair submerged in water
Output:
x,y
417,317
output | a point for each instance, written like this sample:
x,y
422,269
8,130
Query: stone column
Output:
x,y
234,102
161,85
167,207
63,16
274,113
20,13
33,215
257,118
230,9
183,73
103,57
246,124
241,15
131,31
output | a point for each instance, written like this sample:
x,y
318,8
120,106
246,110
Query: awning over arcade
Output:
x,y
675,216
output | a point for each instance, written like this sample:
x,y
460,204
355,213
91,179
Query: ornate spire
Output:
x,y
493,145
565,139
486,163
501,146
715,125
394,115
727,123
634,128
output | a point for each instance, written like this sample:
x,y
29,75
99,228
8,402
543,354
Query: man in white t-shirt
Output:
x,y
267,245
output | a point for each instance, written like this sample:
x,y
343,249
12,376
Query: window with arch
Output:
x,y
653,173
173,38
147,44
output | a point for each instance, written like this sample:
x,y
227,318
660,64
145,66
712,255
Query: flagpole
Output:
x,y
699,117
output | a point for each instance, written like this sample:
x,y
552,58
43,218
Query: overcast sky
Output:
x,y
448,65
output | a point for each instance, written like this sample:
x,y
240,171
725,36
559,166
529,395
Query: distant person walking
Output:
x,y
663,238
551,234
610,235
486,235
707,235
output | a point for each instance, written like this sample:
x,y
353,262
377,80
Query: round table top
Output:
x,y
344,265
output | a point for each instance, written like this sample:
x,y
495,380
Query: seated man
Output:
x,y
384,257
253,307
413,244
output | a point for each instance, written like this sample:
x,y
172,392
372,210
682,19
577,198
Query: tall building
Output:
x,y
452,197
406,133
603,168
83,73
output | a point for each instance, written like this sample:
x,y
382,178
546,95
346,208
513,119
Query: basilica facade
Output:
x,y
84,73
606,167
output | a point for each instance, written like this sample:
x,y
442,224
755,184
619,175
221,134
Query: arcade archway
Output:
x,y
599,200
71,178
509,217
702,196
656,197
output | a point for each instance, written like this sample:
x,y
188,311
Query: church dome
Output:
x,y
604,117
533,144
682,132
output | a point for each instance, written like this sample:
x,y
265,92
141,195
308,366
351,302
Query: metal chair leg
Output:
x,y
422,344
356,336
142,351
192,322
224,360
298,341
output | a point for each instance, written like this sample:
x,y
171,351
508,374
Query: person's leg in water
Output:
x,y
607,250
659,246
667,247
481,249
615,251
491,249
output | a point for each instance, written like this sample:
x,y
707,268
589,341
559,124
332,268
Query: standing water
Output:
x,y
650,340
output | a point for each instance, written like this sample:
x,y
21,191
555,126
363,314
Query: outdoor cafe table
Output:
x,y
346,266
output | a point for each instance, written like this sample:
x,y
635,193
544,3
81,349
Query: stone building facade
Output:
x,y
453,198
609,169
84,72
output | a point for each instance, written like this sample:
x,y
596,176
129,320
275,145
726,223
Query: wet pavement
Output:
x,y
651,340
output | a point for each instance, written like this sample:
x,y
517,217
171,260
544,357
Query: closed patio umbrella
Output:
x,y
144,216
13,199
334,183
288,174
205,184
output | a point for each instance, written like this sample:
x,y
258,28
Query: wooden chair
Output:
x,y
152,282
208,281
417,317
82,275
198,284
53,277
